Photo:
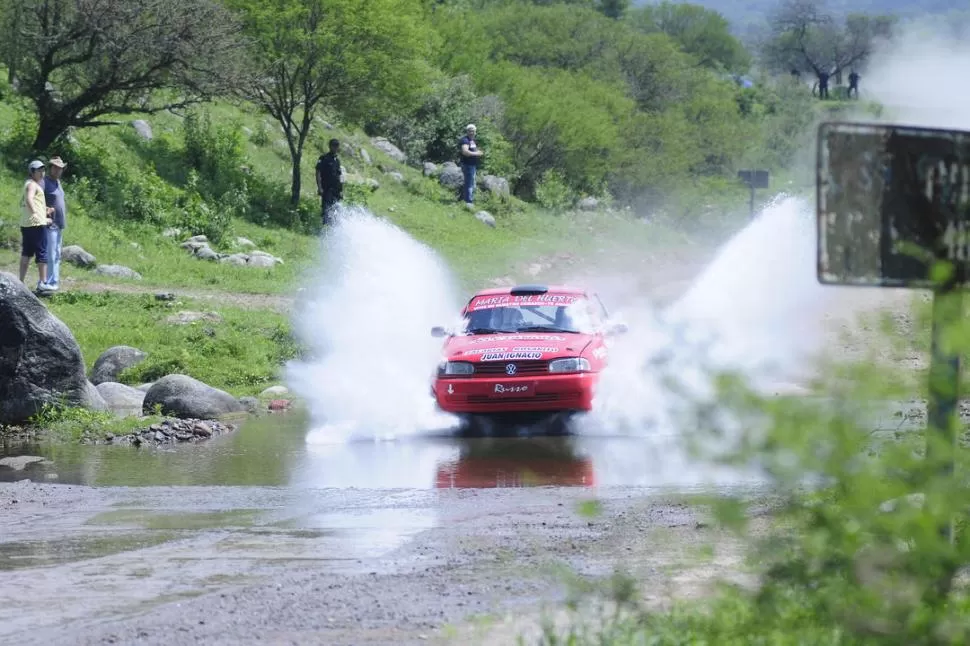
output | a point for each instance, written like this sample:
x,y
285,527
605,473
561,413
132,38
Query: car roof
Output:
x,y
531,289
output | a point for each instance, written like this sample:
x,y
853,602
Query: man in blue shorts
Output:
x,y
35,217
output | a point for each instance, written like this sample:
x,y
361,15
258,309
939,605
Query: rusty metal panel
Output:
x,y
892,201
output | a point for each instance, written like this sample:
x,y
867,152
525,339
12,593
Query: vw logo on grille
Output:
x,y
510,369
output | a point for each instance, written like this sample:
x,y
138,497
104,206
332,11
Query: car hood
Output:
x,y
519,346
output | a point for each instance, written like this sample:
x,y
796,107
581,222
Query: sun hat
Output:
x,y
57,161
35,165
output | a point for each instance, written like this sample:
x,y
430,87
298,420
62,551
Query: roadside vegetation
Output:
x,y
866,542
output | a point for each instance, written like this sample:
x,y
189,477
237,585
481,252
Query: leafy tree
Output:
x,y
700,31
806,37
613,8
82,61
555,119
362,59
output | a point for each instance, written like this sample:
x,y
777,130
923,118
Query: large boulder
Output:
x,y
40,361
389,149
497,185
113,362
451,176
188,398
76,255
122,400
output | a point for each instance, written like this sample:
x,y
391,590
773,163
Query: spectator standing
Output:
x,y
471,154
34,219
854,84
54,196
329,186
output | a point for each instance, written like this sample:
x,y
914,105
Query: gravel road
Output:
x,y
237,565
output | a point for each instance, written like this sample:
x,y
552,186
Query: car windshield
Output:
x,y
495,315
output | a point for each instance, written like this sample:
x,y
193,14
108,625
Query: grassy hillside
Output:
x,y
418,204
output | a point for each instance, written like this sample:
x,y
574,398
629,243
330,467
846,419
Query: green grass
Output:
x,y
241,354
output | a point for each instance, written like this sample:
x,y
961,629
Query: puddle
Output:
x,y
147,519
17,555
274,452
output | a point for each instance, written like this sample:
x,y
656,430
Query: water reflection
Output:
x,y
274,451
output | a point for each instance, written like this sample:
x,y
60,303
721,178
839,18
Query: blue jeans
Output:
x,y
54,237
468,190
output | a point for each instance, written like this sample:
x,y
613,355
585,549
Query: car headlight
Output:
x,y
456,368
572,364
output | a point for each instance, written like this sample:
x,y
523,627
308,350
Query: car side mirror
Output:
x,y
438,331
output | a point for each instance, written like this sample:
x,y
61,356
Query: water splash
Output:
x,y
366,317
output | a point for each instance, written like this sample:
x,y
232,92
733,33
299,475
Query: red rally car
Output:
x,y
530,349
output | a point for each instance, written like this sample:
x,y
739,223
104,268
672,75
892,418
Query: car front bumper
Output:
x,y
567,392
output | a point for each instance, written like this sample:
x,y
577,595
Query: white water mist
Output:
x,y
366,317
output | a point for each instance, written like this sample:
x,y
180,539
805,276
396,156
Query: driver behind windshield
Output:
x,y
511,319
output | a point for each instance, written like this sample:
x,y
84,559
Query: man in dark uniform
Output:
x,y
854,84
823,85
329,186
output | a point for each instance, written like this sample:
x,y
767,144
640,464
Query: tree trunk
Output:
x,y
49,130
296,184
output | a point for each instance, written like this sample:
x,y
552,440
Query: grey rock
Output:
x,y
429,169
389,149
117,271
185,397
588,204
496,185
21,462
261,261
198,238
450,176
372,183
171,232
245,242
143,128
485,218
239,259
165,296
145,387
275,391
122,400
206,253
193,246
77,256
40,361
92,399
189,317
114,361
278,261
365,157
396,176
251,404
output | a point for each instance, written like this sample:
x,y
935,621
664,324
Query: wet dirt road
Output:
x,y
258,537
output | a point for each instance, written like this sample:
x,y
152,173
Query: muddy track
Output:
x,y
322,566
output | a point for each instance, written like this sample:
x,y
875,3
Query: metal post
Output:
x,y
944,386
751,203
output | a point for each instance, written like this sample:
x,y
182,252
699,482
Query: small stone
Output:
x,y
164,296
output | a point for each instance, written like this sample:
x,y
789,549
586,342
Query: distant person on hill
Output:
x,y
35,217
854,84
329,187
54,196
470,154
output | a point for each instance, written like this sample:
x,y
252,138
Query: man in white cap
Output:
x,y
34,220
470,156
54,196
